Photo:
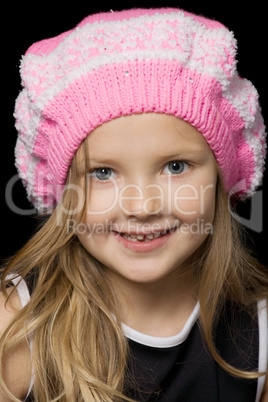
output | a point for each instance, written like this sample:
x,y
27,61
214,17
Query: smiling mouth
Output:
x,y
143,238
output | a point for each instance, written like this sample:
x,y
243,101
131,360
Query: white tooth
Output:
x,y
158,234
131,238
149,236
140,237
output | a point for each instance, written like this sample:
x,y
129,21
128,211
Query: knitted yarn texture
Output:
x,y
135,61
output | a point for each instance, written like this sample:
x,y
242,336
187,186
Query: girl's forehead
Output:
x,y
146,130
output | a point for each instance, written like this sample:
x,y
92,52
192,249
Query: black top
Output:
x,y
188,373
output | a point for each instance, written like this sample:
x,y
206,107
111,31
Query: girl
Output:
x,y
137,137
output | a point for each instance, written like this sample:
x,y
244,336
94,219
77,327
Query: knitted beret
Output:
x,y
135,61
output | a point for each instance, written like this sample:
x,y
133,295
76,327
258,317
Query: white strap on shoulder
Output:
x,y
263,345
24,297
22,288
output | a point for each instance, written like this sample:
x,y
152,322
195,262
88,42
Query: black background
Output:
x,y
26,22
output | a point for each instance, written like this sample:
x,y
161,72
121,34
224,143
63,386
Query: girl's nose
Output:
x,y
141,201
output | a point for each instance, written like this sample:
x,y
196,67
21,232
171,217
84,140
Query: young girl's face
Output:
x,y
151,196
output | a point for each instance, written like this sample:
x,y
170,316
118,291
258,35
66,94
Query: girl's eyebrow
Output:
x,y
184,154
199,151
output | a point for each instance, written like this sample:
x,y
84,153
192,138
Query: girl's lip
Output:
x,y
143,246
145,232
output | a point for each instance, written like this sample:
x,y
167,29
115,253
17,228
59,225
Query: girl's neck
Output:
x,y
158,309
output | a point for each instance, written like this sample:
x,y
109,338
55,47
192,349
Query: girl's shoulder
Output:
x,y
17,362
8,308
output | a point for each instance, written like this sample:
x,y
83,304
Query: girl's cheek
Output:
x,y
190,202
101,204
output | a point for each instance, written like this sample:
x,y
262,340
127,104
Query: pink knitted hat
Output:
x,y
135,61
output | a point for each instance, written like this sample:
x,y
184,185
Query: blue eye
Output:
x,y
102,173
175,167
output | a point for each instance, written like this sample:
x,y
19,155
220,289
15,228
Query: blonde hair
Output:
x,y
80,352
